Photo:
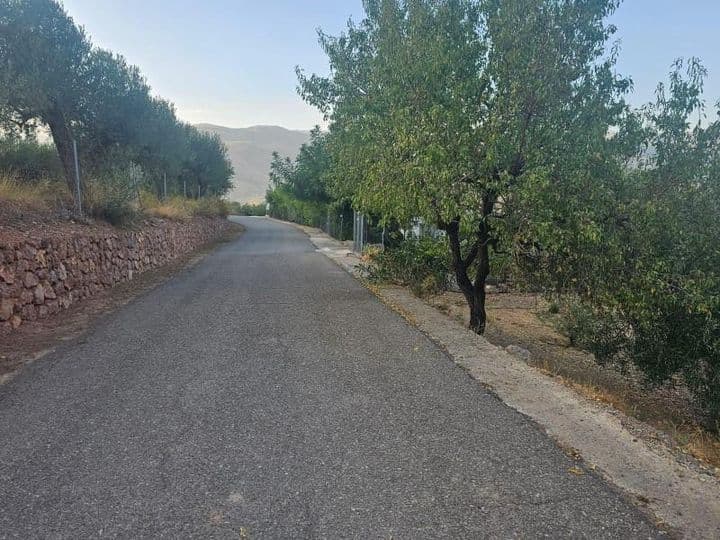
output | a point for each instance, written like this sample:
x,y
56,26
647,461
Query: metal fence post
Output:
x,y
358,231
78,192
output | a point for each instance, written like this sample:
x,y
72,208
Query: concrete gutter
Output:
x,y
681,497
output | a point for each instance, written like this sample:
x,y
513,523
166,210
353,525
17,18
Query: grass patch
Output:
x,y
43,195
112,202
180,208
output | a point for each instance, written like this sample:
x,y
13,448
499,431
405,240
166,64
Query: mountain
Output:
x,y
250,150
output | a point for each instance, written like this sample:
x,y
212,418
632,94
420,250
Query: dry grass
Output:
x,y
174,208
524,320
37,196
180,208
49,201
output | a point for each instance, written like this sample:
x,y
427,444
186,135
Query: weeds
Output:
x,y
420,263
44,195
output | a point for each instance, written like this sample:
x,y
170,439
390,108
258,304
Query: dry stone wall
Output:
x,y
43,274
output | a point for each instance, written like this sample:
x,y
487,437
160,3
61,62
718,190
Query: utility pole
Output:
x,y
78,193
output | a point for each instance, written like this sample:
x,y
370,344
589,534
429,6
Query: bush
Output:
x,y
113,199
210,207
30,161
246,209
285,206
181,208
177,208
420,263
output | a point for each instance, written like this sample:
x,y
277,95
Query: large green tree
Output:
x,y
304,177
43,63
459,112
52,76
639,258
207,168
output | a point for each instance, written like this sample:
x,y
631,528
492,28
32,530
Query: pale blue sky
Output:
x,y
231,62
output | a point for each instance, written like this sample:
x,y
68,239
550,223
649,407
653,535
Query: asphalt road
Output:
x,y
263,393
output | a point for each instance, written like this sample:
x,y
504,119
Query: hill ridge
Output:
x,y
250,149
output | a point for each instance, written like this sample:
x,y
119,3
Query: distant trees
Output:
x,y
297,186
51,75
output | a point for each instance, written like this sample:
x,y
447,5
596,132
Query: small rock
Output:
x,y
7,306
518,352
29,313
39,294
26,297
30,280
15,322
49,292
7,275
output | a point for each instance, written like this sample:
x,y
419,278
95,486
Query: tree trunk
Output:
x,y
473,291
478,315
63,140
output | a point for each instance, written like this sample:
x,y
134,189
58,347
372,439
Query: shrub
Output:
x,y
284,205
181,208
177,208
246,209
30,161
112,201
210,207
43,195
420,263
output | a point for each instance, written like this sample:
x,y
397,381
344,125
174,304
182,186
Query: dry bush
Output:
x,y
180,208
41,196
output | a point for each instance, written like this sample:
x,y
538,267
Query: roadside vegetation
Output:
x,y
129,142
299,193
505,127
247,209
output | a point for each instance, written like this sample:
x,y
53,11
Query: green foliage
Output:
x,y
461,112
207,169
423,264
640,251
51,75
247,209
284,205
27,160
297,187
115,199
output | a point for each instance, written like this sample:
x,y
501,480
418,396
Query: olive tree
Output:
x,y
43,59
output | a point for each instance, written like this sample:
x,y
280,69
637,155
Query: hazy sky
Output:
x,y
231,62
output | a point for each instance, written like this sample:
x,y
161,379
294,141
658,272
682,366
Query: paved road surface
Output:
x,y
265,394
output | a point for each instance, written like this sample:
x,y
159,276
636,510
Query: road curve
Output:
x,y
263,393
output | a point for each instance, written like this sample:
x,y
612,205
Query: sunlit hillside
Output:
x,y
251,152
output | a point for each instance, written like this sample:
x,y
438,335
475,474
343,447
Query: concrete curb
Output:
x,y
681,497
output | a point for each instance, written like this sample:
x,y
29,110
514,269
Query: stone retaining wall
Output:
x,y
41,275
